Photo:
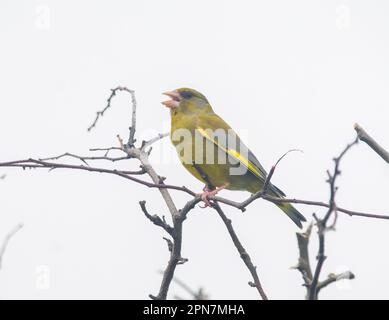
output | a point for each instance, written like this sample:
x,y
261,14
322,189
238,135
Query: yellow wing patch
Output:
x,y
233,153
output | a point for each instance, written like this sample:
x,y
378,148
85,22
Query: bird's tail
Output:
x,y
290,211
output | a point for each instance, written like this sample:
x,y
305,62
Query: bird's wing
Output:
x,y
236,149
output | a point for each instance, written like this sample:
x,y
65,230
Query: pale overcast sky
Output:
x,y
284,74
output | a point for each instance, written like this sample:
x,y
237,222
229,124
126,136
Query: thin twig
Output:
x,y
85,158
106,149
113,93
273,168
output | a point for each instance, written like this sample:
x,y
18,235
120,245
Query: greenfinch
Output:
x,y
212,152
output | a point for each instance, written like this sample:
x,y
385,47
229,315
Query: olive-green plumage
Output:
x,y
192,113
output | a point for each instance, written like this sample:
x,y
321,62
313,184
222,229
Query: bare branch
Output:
x,y
39,164
177,216
170,244
348,275
33,163
242,252
101,113
131,139
243,205
322,223
303,264
157,182
146,144
175,255
365,137
143,158
156,220
6,240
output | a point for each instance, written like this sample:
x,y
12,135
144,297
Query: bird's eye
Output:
x,y
186,94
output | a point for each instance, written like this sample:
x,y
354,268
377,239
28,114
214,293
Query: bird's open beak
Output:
x,y
175,99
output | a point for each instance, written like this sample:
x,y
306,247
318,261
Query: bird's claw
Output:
x,y
209,193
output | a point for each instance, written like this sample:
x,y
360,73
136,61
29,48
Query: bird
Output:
x,y
213,153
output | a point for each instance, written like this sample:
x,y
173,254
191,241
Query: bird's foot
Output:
x,y
210,193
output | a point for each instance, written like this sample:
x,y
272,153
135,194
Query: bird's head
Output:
x,y
187,101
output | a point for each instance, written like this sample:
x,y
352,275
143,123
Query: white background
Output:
x,y
284,74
